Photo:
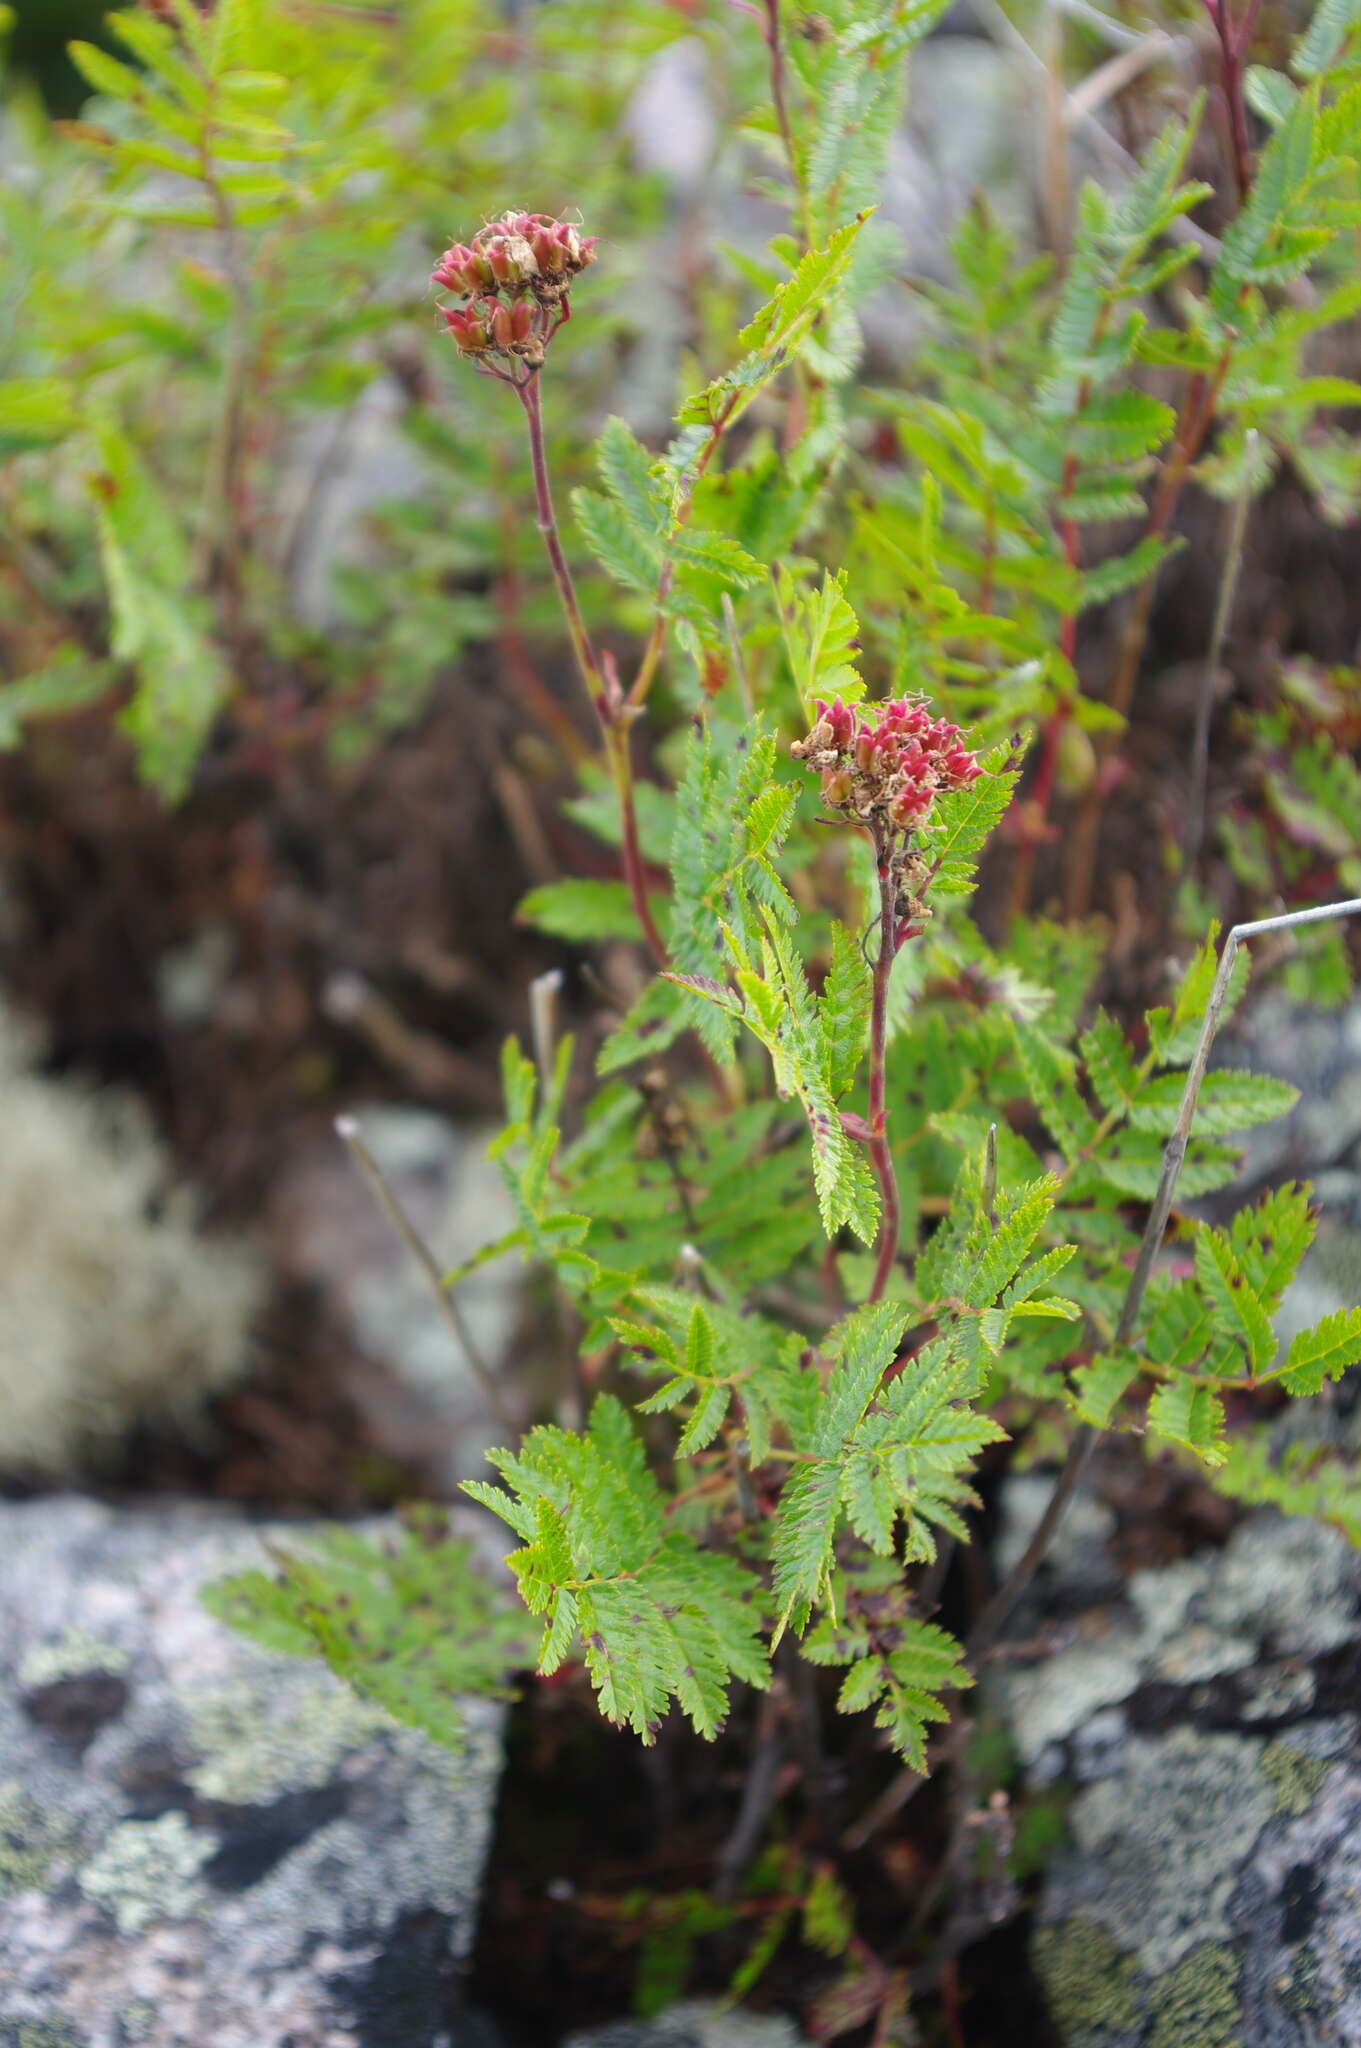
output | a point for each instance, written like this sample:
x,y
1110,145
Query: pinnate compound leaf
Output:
x,y
657,1616
411,1620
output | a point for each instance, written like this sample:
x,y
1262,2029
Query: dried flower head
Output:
x,y
888,773
514,277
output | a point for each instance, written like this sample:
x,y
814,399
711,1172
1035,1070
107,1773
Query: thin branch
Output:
x,y
1228,589
998,1610
347,1128
759,1792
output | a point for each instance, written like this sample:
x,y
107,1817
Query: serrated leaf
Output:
x,y
844,1009
1189,1415
1229,1100
1325,1352
631,557
1098,1388
1238,1312
411,1620
962,821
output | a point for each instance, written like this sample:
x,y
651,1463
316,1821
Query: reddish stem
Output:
x,y
880,1152
602,684
1233,46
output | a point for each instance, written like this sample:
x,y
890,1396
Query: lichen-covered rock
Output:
x,y
201,1845
1210,1896
693,2026
115,1309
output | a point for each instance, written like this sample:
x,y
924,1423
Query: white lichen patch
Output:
x,y
114,1308
1289,1584
148,1870
70,1655
252,1747
1162,1845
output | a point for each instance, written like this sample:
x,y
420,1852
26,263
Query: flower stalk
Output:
x,y
514,279
885,778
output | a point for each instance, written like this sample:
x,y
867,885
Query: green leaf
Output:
x,y
780,326
821,632
1111,1066
657,1616
578,908
1325,1352
1098,1388
158,625
1238,1312
411,1621
70,681
962,821
900,1668
1229,1100
1270,1241
104,73
1189,1415
35,412
626,469
844,1009
631,557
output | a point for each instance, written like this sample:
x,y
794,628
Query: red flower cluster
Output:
x,y
891,770
530,259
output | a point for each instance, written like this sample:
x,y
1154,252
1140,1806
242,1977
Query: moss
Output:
x,y
1092,1986
147,1870
70,1655
1298,1992
1198,2001
250,1755
1294,1777
28,1847
40,2034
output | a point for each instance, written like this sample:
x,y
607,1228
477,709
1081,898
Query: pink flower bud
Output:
x,y
842,722
468,328
456,270
909,807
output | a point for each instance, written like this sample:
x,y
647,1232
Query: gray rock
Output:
x,y
1210,1896
693,2026
202,1845
419,1395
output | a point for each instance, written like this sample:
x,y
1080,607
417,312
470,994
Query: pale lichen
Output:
x,y
252,1751
71,1654
148,1870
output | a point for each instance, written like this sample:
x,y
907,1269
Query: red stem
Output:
x,y
879,1148
1233,45
602,685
